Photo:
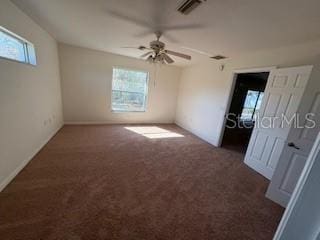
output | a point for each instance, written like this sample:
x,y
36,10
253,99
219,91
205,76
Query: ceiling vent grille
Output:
x,y
189,5
218,57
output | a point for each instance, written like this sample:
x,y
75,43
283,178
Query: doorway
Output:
x,y
245,104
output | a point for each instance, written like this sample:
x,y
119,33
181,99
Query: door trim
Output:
x,y
234,76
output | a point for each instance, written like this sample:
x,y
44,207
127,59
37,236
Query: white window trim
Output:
x,y
25,43
146,90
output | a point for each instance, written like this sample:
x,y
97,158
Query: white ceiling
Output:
x,y
227,27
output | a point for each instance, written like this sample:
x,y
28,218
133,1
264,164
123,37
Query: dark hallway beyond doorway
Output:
x,y
245,105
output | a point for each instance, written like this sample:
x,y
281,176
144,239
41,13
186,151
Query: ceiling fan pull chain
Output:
x,y
157,67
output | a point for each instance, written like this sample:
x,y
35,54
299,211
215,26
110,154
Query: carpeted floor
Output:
x,y
109,182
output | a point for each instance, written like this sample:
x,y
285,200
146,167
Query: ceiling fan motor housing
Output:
x,y
159,54
157,45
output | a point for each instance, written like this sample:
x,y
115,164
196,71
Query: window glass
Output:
x,y
11,48
258,105
32,55
129,90
251,105
15,48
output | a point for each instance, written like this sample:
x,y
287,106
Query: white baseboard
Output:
x,y
204,138
8,179
111,123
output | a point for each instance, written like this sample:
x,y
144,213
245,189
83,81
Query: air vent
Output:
x,y
218,57
189,5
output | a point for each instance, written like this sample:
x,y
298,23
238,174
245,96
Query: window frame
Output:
x,y
255,106
146,89
26,44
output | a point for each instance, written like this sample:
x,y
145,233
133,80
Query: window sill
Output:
x,y
118,111
17,61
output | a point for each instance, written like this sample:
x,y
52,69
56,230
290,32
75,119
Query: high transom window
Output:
x,y
16,48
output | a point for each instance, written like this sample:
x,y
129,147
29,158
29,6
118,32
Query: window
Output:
x,y
252,105
16,48
129,90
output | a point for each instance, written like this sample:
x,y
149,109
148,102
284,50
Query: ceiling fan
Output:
x,y
158,53
158,25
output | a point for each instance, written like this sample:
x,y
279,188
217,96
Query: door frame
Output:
x,y
234,76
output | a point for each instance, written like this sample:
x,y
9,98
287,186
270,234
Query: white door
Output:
x,y
297,149
302,216
283,93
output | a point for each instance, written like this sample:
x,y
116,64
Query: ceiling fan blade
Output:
x,y
170,38
198,51
182,27
130,19
153,25
167,58
181,55
144,33
139,48
131,47
164,29
146,54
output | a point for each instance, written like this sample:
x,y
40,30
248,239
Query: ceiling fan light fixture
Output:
x,y
158,53
150,59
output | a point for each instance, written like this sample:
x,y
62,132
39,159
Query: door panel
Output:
x,y
309,133
272,105
264,151
289,181
280,81
259,145
282,98
301,80
293,160
275,153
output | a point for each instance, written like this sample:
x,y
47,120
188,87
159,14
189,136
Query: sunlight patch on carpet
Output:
x,y
153,132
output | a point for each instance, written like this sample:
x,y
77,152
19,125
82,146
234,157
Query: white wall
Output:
x,y
29,96
86,87
204,89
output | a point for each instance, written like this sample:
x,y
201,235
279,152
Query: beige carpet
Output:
x,y
109,182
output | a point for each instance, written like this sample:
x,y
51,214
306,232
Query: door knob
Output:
x,y
291,144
